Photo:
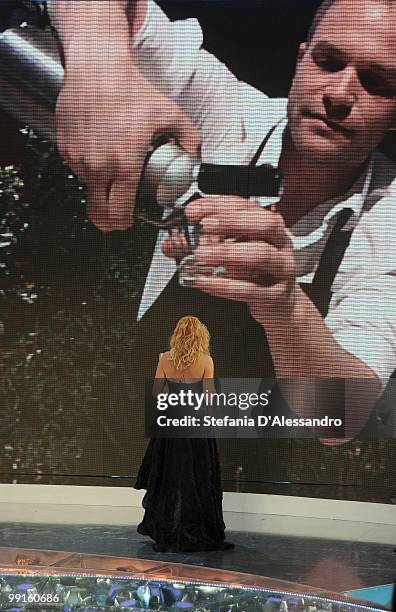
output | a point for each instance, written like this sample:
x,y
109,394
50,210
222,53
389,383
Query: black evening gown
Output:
x,y
183,500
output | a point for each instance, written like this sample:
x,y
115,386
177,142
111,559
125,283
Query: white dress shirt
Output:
x,y
234,119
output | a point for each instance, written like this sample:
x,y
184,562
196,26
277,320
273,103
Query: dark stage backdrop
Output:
x,y
69,295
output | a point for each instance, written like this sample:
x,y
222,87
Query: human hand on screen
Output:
x,y
107,117
177,247
254,246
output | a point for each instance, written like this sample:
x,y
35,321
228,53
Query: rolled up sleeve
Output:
x,y
166,50
364,324
362,313
170,55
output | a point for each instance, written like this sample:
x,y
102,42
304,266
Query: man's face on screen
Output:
x,y
343,97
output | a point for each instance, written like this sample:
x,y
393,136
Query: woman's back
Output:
x,y
183,501
202,368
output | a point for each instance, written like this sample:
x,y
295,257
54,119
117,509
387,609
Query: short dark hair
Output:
x,y
322,10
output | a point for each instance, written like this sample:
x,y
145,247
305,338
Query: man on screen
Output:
x,y
131,74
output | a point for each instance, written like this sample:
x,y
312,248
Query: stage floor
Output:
x,y
334,565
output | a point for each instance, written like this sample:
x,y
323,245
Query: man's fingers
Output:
x,y
241,291
176,245
209,240
230,289
252,260
121,204
97,207
77,164
110,207
245,224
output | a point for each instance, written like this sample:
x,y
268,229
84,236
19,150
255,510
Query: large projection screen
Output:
x,y
75,348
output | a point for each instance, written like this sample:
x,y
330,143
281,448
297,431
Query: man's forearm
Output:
x,y
303,346
104,25
304,349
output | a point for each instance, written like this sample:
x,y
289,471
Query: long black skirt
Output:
x,y
183,500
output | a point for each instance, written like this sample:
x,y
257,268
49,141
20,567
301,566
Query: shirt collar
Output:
x,y
355,198
321,216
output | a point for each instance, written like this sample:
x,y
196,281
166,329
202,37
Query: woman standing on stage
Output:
x,y
183,502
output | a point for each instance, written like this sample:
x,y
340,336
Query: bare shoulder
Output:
x,y
207,359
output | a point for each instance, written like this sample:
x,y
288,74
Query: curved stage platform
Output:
x,y
33,579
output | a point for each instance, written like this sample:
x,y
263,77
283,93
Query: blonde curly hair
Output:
x,y
189,340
